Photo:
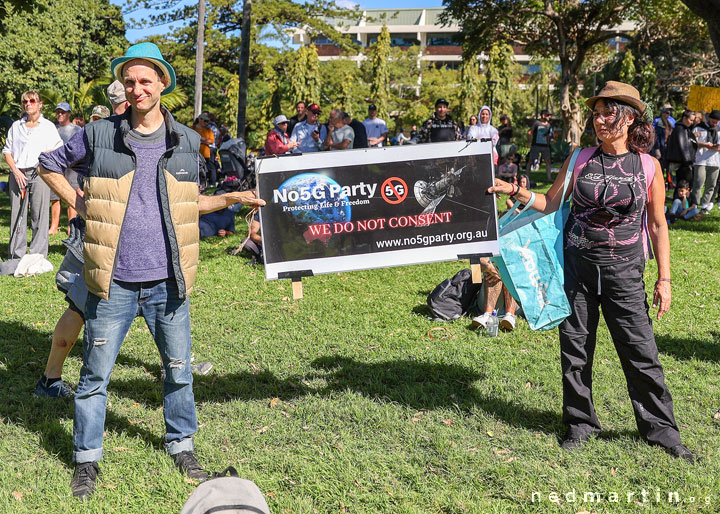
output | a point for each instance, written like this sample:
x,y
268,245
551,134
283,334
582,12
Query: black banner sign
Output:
x,y
360,209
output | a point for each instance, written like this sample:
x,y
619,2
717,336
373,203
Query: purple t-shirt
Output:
x,y
143,251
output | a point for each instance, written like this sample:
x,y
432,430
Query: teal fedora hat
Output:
x,y
148,52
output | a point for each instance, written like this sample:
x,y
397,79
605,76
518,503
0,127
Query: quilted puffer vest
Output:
x,y
107,190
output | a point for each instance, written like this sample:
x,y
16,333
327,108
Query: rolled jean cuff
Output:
x,y
184,445
87,456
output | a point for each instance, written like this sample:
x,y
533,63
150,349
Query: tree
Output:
x,y
627,68
380,83
470,86
708,10
39,44
647,84
199,60
505,72
567,29
678,44
305,76
342,87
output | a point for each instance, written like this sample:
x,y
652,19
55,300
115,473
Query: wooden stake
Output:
x,y
476,273
297,288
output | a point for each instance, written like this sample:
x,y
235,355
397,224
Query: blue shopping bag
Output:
x,y
531,260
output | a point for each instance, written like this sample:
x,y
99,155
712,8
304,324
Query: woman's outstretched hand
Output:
x,y
502,187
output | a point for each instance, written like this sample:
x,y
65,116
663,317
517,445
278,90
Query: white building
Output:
x,y
410,27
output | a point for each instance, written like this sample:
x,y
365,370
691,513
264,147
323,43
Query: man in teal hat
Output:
x,y
141,204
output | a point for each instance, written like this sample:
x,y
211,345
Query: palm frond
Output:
x,y
175,100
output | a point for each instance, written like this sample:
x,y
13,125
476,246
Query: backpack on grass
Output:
x,y
226,495
453,297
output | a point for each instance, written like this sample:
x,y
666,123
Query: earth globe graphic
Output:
x,y
319,187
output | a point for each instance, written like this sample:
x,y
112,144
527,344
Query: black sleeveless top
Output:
x,y
609,200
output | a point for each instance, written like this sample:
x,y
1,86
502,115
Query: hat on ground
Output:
x,y
314,108
280,119
715,114
204,116
619,91
372,107
441,101
63,106
100,111
148,52
116,93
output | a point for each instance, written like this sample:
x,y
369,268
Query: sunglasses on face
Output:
x,y
29,101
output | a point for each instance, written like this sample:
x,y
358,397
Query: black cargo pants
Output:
x,y
620,291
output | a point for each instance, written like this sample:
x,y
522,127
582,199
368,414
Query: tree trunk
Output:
x,y
199,58
571,110
244,68
708,10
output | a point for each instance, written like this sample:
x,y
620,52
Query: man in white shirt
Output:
x,y
28,137
340,136
308,134
707,160
375,127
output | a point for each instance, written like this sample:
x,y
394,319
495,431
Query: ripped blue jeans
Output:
x,y
106,325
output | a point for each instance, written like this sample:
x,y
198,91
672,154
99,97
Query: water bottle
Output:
x,y
491,330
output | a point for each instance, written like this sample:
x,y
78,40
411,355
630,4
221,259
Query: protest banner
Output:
x,y
360,209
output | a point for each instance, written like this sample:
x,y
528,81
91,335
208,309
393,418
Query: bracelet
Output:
x,y
663,280
515,191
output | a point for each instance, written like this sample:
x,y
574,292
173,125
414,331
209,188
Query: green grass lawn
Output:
x,y
344,401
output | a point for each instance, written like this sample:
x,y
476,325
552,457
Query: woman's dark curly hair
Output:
x,y
641,134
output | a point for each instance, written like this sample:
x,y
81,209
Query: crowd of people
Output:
x,y
689,152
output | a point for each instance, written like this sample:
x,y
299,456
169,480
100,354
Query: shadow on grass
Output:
x,y
24,352
429,385
687,348
414,383
705,225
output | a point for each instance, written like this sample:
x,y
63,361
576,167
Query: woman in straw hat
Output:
x,y
616,190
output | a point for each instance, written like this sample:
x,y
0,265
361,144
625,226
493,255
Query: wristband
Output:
x,y
515,191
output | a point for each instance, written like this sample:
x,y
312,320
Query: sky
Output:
x,y
137,35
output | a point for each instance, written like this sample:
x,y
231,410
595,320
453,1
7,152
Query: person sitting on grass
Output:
x,y
217,223
493,288
685,206
507,169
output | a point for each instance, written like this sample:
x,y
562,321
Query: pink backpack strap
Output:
x,y
582,160
648,164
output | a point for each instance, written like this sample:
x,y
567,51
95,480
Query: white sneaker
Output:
x,y
508,322
709,206
482,320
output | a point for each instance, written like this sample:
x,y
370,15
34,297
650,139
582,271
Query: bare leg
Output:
x,y
494,287
510,303
54,216
255,236
71,214
66,333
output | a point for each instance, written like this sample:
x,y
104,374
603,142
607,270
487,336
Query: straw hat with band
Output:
x,y
624,93
147,52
